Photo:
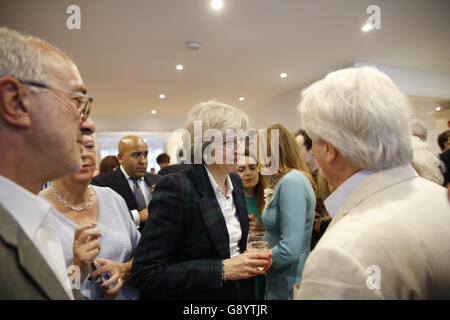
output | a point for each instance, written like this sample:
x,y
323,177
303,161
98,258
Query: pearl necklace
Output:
x,y
67,204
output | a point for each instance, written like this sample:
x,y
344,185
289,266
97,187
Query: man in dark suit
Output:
x,y
43,113
131,180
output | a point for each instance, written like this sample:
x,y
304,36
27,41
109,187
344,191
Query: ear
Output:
x,y
120,158
332,152
14,103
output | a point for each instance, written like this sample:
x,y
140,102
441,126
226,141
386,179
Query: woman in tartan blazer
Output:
x,y
193,246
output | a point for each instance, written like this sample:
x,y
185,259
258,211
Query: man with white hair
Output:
x,y
389,237
44,111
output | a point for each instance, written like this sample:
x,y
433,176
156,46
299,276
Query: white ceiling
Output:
x,y
127,50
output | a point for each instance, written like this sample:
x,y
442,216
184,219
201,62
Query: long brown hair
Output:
x,y
259,188
289,157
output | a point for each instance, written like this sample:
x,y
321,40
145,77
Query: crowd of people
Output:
x,y
352,205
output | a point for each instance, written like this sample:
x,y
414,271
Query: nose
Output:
x,y
142,159
88,127
84,153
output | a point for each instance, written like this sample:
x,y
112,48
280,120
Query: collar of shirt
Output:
x,y
216,187
128,177
337,198
125,173
31,213
28,209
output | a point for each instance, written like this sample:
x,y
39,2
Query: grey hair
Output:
x,y
213,116
19,58
418,127
363,114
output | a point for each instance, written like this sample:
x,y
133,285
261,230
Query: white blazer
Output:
x,y
389,240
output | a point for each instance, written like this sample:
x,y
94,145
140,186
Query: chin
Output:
x,y
251,185
83,176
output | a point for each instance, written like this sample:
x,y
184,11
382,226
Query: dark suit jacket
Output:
x,y
181,249
117,181
174,168
24,273
445,158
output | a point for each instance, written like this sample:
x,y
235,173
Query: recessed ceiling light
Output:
x,y
241,98
438,108
153,111
217,4
162,96
366,27
283,75
179,67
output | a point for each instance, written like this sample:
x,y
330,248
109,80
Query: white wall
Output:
x,y
416,83
281,109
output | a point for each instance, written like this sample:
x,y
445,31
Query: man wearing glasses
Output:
x,y
44,111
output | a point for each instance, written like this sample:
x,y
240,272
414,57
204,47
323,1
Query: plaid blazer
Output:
x,y
185,240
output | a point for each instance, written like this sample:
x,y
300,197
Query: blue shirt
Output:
x,y
289,221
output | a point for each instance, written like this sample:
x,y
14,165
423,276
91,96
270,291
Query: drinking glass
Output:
x,y
257,241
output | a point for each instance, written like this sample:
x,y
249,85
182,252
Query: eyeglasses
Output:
x,y
85,100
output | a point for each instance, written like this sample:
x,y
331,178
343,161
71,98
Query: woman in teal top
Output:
x,y
288,217
249,171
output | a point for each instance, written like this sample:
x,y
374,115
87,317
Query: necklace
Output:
x,y
67,204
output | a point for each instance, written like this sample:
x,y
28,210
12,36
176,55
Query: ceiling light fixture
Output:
x,y
241,98
367,27
153,111
438,108
217,4
283,75
193,45
162,96
179,67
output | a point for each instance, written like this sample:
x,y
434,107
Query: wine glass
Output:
x,y
257,241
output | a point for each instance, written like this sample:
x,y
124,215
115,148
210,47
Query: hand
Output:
x,y
152,188
85,248
143,215
254,224
120,272
245,265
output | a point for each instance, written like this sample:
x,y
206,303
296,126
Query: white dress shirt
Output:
x,y
144,187
31,213
228,208
338,197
